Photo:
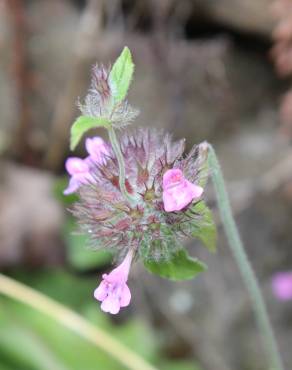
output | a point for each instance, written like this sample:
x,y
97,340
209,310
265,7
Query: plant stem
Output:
x,y
244,265
122,175
74,322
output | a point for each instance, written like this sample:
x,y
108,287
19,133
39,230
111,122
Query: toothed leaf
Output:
x,y
82,125
121,75
180,266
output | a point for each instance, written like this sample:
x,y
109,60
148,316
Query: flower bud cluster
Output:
x,y
99,101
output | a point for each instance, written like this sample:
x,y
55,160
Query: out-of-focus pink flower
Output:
x,y
113,291
97,149
178,192
80,169
80,173
282,285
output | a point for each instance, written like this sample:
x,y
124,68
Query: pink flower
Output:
x,y
80,173
178,192
97,149
282,285
80,169
113,291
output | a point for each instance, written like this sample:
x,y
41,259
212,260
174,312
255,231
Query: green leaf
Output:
x,y
179,267
121,75
205,228
82,125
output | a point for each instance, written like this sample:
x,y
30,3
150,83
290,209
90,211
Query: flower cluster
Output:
x,y
162,179
150,228
139,195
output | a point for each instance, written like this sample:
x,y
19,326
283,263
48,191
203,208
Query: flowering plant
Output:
x,y
139,195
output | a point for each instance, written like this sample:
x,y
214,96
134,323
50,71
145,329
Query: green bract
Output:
x,y
104,104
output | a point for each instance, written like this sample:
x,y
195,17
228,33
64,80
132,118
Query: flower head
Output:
x,y
113,291
140,196
282,286
178,192
147,227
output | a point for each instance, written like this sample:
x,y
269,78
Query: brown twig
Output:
x,y
21,76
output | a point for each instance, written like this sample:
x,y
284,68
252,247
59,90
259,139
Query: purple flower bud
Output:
x,y
113,291
282,286
178,192
97,149
79,171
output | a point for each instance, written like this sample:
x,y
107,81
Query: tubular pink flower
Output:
x,y
178,192
282,286
113,291
97,149
80,173
80,169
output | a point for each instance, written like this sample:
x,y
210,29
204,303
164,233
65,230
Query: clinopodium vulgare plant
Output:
x,y
140,194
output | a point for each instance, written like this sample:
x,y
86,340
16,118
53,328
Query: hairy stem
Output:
x,y
74,322
243,263
122,175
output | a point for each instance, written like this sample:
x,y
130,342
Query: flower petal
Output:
x,y
172,177
101,291
97,149
111,304
75,165
178,192
120,273
72,186
197,191
125,296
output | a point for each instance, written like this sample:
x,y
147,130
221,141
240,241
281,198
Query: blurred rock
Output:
x,y
30,218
